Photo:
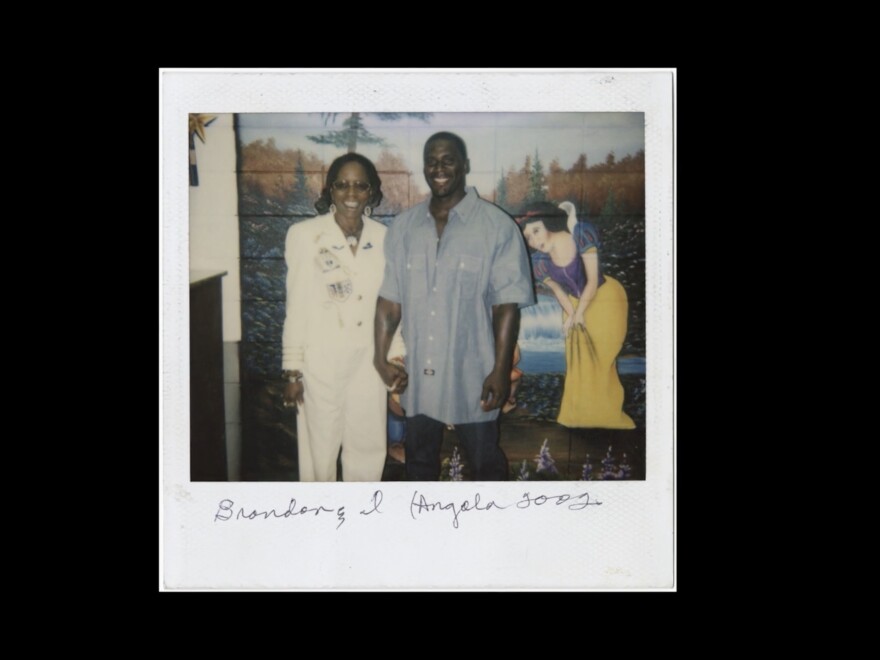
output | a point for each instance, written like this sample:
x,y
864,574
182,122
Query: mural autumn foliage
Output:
x,y
618,183
287,182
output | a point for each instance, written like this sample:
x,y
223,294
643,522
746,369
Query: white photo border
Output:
x,y
627,542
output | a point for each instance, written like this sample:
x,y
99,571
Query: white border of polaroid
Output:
x,y
619,536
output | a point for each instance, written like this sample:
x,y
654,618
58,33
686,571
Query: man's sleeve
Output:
x,y
390,289
510,280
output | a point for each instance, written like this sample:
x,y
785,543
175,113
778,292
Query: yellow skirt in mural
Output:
x,y
593,395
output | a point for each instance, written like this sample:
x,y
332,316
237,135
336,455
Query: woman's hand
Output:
x,y
394,376
293,394
574,320
579,319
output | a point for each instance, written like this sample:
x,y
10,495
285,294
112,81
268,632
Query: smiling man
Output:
x,y
456,275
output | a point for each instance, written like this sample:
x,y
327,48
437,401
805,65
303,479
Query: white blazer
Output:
x,y
331,293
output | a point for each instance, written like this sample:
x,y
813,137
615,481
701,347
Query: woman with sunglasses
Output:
x,y
335,264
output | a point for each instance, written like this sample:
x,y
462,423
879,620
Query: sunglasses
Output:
x,y
341,186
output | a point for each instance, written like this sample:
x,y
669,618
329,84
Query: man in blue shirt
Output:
x,y
456,275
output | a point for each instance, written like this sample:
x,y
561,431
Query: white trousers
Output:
x,y
345,407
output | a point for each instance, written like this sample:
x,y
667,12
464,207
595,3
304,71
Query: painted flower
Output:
x,y
609,469
587,472
545,461
625,469
455,466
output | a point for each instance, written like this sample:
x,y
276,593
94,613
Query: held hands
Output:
x,y
394,376
496,390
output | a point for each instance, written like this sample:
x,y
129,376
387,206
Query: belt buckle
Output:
x,y
429,372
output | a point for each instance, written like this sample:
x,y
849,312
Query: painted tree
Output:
x,y
609,210
536,181
559,183
517,184
298,197
300,172
397,184
501,191
276,181
353,131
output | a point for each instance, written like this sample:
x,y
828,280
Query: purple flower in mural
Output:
x,y
587,473
545,461
625,469
523,472
609,469
455,466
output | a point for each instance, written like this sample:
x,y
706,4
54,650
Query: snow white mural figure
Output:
x,y
565,259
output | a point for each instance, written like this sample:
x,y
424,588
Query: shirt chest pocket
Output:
x,y
417,276
468,275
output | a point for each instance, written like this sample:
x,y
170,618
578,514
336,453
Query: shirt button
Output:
x,y
433,313
434,289
461,265
360,322
429,361
407,266
430,337
360,297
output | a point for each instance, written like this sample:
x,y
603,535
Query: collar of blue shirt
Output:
x,y
463,208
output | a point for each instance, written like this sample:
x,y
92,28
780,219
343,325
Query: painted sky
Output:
x,y
495,141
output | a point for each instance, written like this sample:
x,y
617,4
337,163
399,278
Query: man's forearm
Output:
x,y
386,322
505,325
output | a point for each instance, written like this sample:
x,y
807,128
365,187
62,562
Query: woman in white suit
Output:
x,y
335,265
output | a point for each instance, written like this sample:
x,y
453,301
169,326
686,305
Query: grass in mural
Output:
x,y
614,467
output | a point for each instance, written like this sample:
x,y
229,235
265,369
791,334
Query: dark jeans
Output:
x,y
482,456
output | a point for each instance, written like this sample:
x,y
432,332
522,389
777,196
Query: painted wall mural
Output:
x,y
593,161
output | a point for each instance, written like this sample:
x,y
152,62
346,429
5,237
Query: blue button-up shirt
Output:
x,y
446,288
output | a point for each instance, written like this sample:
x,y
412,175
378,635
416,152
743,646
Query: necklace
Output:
x,y
352,237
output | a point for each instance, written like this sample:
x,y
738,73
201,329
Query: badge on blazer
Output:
x,y
340,291
327,261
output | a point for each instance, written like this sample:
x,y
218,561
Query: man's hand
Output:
x,y
394,376
387,319
505,327
496,390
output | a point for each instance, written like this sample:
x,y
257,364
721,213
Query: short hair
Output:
x,y
325,200
553,217
451,137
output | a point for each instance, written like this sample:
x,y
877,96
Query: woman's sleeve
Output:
x,y
293,338
539,267
586,237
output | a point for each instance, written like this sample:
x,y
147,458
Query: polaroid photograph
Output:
x,y
462,220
